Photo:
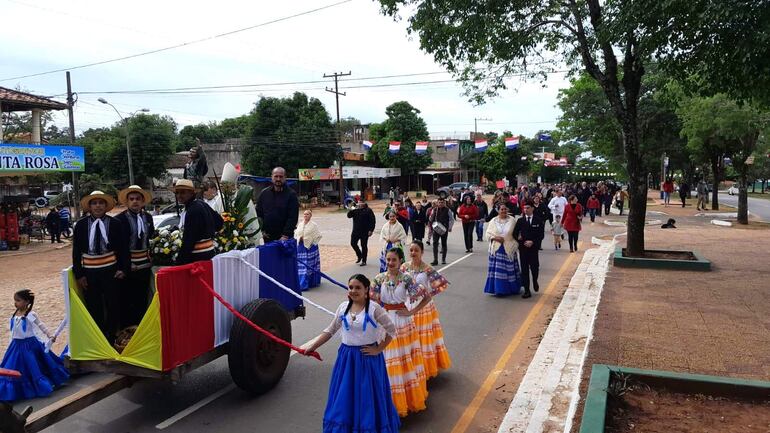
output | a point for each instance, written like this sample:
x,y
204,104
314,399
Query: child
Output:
x,y
593,206
359,391
40,372
558,232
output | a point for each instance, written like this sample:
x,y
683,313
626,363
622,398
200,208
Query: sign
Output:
x,y
41,158
443,165
354,172
319,174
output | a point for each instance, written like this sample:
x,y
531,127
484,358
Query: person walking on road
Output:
x,y
557,204
364,223
573,215
558,232
528,231
541,210
434,353
594,207
441,221
52,224
469,213
359,398
620,199
392,235
64,220
503,274
483,214
668,189
308,236
702,192
418,220
278,209
684,192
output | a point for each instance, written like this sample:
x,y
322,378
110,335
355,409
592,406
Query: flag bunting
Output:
x,y
394,146
512,142
421,147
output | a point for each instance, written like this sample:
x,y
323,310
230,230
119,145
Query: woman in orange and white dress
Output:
x,y
403,356
434,353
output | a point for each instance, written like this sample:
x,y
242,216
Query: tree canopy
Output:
x,y
403,124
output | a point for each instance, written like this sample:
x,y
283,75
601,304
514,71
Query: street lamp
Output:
x,y
128,144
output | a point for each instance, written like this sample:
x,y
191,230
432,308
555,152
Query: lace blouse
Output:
x,y
360,330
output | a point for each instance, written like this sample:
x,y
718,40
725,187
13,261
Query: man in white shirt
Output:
x,y
211,196
557,204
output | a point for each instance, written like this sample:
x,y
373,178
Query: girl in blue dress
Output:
x,y
359,391
41,371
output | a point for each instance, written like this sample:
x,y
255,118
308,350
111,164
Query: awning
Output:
x,y
434,172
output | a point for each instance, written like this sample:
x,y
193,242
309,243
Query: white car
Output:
x,y
733,190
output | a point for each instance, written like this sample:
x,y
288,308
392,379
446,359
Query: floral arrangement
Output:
x,y
165,245
235,234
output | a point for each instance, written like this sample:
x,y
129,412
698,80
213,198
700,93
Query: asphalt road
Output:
x,y
757,206
477,330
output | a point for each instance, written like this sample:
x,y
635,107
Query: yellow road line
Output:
x,y
470,412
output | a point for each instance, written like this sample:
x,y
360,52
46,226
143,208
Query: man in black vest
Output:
x,y
528,231
99,261
441,219
199,223
138,229
364,223
278,209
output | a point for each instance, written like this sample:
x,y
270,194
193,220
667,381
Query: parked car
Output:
x,y
51,194
169,216
444,191
733,190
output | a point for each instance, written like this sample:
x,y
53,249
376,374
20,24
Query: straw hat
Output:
x,y
86,201
184,184
123,194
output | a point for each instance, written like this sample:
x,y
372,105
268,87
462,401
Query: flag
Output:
x,y
367,145
450,144
544,137
394,146
512,142
481,145
421,147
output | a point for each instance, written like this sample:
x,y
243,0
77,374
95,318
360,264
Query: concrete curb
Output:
x,y
548,394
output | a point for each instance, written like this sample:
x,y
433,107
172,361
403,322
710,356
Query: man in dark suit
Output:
x,y
363,226
528,231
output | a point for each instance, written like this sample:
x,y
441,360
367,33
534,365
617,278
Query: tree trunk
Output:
x,y
743,200
715,185
637,192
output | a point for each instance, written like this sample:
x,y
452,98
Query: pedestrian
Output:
x,y
392,235
308,236
52,224
41,370
557,204
558,232
278,208
593,207
359,398
503,274
573,215
434,353
469,213
620,199
392,195
528,231
441,221
402,214
364,223
198,223
702,192
483,214
64,220
138,229
212,197
403,356
541,210
99,262
668,189
504,200
684,192
418,220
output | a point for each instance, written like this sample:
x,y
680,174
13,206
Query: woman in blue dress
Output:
x,y
359,391
308,255
504,274
41,371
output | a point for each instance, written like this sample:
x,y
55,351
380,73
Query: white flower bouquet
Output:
x,y
164,247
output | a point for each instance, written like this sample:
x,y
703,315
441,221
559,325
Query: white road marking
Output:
x,y
455,262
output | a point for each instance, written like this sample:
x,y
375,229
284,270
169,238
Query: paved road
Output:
x,y
477,329
757,206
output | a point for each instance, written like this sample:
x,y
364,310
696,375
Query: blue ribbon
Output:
x,y
289,248
23,323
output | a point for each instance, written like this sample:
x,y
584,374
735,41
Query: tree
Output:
x,y
498,162
205,132
405,125
292,133
484,42
15,123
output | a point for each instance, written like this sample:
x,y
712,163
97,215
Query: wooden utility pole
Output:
x,y
337,94
70,106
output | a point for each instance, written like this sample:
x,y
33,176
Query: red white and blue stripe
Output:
x,y
450,144
512,142
367,144
481,145
394,146
421,147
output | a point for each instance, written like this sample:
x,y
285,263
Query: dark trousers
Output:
x,y
607,204
103,299
363,238
684,199
620,206
530,263
55,234
443,239
418,231
468,234
133,297
592,212
573,240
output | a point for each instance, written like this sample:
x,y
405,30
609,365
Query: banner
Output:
x,y
450,144
41,158
367,144
319,174
357,172
481,145
421,147
512,142
394,146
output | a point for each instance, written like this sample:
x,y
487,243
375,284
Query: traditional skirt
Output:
x,y
359,395
310,275
40,372
383,265
503,275
403,357
434,354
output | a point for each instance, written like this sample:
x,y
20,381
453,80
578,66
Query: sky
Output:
x,y
350,37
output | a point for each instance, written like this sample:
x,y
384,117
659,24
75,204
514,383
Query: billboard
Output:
x,y
319,173
36,158
350,172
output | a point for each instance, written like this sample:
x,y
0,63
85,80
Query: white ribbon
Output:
x,y
58,331
139,225
274,281
181,219
92,234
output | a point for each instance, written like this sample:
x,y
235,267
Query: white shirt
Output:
x,y
215,203
557,205
355,335
33,321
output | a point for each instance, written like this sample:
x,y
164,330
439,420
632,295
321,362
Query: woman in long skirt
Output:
x,y
504,274
434,353
403,356
308,255
359,391
392,235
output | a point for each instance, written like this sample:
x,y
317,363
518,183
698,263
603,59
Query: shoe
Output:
x,y
526,295
362,264
570,250
358,260
443,262
555,248
470,250
536,288
434,263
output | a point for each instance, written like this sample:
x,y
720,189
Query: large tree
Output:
x,y
293,133
483,42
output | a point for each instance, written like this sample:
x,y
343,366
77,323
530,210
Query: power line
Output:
x,y
183,44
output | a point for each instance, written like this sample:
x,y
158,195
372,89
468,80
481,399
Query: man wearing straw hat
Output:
x,y
199,223
137,231
99,261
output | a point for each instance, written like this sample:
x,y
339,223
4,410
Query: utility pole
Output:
x,y
476,130
70,106
337,94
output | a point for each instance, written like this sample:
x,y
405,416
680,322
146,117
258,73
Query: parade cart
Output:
x,y
196,315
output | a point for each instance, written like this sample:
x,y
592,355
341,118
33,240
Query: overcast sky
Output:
x,y
44,35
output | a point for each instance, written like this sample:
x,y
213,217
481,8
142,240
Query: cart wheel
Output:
x,y
256,362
